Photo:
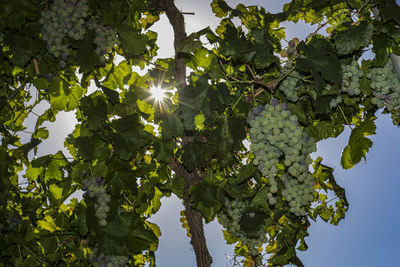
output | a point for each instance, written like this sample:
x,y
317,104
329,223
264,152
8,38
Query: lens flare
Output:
x,y
157,93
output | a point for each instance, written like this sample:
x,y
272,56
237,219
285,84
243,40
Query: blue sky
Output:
x,y
369,235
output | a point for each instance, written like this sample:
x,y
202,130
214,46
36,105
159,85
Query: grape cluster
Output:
x,y
185,223
231,222
276,137
105,37
14,221
298,194
350,83
336,101
108,261
95,188
288,85
386,89
64,18
275,133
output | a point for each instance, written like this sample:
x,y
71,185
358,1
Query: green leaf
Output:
x,y
319,57
303,245
251,225
245,173
322,104
41,133
261,198
380,47
220,8
324,129
95,109
205,199
112,95
389,10
82,224
196,155
171,126
131,42
87,59
354,38
365,86
155,203
358,145
29,146
49,244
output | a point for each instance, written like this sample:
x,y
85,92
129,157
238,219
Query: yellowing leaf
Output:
x,y
199,120
147,159
149,128
230,70
56,191
48,224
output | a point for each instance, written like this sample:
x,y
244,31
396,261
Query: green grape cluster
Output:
x,y
107,261
95,188
298,194
386,89
275,133
352,75
105,37
230,220
64,18
277,137
289,85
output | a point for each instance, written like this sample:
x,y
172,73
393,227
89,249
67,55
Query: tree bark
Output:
x,y
194,217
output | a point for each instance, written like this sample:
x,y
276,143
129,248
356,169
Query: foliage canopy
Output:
x,y
192,143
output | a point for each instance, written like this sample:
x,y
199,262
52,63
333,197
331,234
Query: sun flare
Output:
x,y
157,93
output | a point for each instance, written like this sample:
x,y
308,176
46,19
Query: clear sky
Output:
x,y
368,237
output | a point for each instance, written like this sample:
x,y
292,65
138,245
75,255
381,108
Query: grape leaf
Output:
x,y
319,57
354,38
245,173
358,144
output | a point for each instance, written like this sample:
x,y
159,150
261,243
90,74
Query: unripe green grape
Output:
x,y
386,89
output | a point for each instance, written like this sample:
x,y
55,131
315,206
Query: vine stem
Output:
x,y
270,85
22,86
30,251
194,217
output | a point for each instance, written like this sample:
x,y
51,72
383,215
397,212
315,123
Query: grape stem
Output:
x,y
237,101
36,66
270,85
345,118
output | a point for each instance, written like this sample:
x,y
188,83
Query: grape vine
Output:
x,y
191,144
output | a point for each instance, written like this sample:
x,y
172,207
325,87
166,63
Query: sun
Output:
x,y
157,93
